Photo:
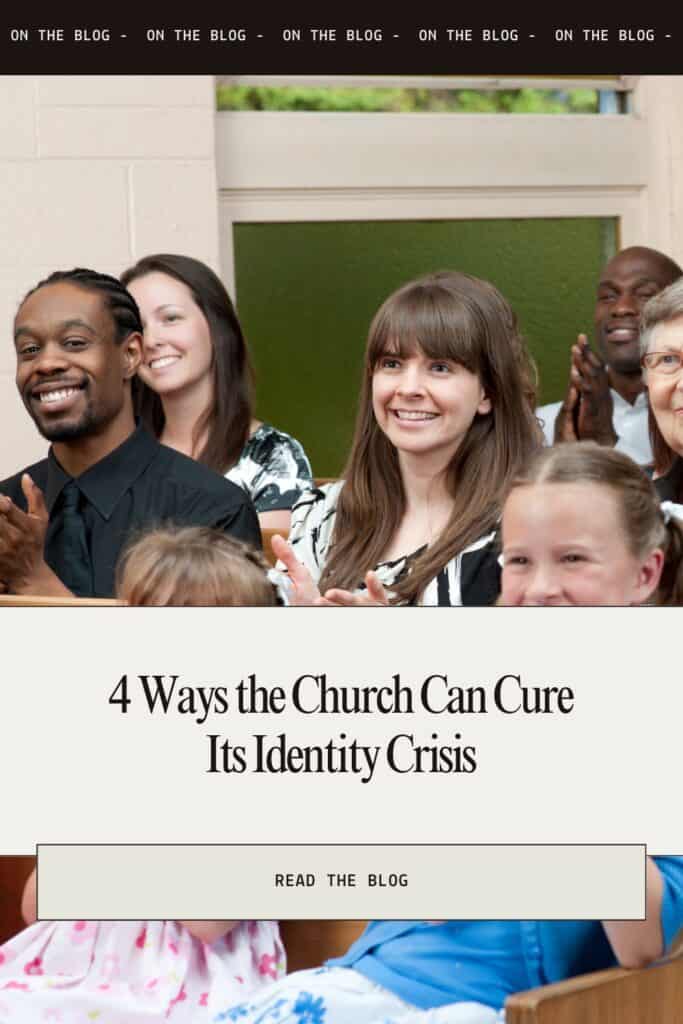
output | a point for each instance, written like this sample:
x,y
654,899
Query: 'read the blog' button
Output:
x,y
354,881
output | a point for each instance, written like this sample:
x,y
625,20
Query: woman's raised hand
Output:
x,y
304,590
375,595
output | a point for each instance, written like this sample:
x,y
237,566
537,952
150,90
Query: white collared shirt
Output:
x,y
629,421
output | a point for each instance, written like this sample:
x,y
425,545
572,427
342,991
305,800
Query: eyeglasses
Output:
x,y
662,362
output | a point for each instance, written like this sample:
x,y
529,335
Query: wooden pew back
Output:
x,y
13,874
34,601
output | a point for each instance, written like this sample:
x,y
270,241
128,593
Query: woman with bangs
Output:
x,y
445,422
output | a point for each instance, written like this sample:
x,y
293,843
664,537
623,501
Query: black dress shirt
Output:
x,y
139,485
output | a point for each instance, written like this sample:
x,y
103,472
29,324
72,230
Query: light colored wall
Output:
x,y
658,101
96,171
369,166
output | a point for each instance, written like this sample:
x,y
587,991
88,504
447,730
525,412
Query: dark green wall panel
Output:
x,y
306,293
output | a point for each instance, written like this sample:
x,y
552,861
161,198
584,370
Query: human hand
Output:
x,y
304,590
595,406
22,539
565,422
375,595
28,899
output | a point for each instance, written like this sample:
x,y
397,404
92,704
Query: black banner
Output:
x,y
337,44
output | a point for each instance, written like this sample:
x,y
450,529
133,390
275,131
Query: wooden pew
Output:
x,y
34,601
653,995
13,874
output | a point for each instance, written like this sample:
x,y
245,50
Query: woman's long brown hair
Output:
x,y
454,316
227,421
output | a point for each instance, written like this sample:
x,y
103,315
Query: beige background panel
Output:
x,y
600,774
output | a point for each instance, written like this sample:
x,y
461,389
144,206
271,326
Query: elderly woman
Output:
x,y
662,360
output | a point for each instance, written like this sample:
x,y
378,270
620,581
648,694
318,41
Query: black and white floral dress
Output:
x,y
472,577
273,469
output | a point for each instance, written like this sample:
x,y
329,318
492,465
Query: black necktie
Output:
x,y
75,570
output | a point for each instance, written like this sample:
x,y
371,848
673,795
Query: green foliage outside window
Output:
x,y
467,101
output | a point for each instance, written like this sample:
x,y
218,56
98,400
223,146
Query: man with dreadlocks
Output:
x,y
64,520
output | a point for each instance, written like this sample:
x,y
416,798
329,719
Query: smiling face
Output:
x,y
564,544
627,282
178,353
425,406
71,372
665,391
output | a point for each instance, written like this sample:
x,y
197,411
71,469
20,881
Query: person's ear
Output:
x,y
484,406
132,354
648,576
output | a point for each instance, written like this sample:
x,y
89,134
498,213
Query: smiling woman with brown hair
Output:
x,y
444,423
195,384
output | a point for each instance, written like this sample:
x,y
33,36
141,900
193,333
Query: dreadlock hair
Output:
x,y
119,301
227,420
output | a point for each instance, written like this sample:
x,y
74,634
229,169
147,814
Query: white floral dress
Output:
x,y
127,972
272,469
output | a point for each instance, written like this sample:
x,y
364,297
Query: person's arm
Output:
x,y
28,899
209,931
282,474
638,943
278,519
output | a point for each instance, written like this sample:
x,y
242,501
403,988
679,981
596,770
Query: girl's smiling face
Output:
x,y
177,351
564,544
